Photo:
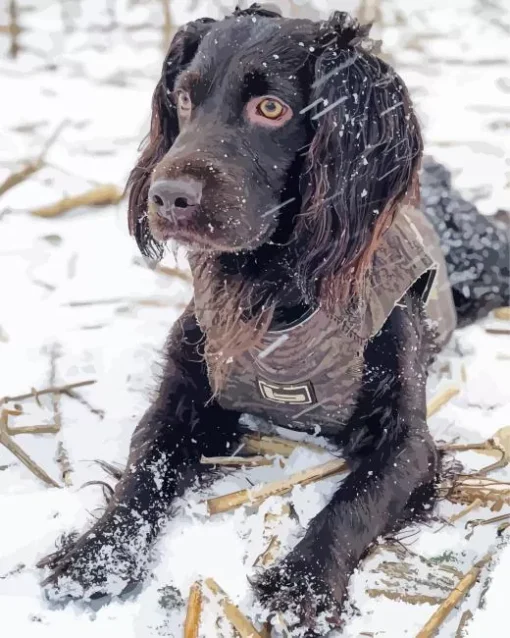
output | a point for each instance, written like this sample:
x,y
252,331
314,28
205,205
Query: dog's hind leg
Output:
x,y
476,249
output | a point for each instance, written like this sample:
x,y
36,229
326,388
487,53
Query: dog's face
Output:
x,y
268,130
241,129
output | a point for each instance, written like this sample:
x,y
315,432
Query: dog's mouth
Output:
x,y
194,234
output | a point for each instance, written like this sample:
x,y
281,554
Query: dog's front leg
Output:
x,y
394,465
181,425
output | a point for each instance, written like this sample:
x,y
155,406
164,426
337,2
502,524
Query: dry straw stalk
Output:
x,y
256,495
193,612
99,196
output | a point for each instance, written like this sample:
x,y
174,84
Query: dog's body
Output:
x,y
282,151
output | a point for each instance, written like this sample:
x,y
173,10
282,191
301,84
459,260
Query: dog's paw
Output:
x,y
99,563
298,591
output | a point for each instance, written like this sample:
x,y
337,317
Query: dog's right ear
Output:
x,y
164,129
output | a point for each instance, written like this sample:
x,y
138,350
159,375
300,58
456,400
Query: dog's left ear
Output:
x,y
164,129
363,158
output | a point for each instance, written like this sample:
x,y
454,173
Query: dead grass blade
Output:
x,y
467,489
32,167
64,463
464,619
412,599
453,599
497,445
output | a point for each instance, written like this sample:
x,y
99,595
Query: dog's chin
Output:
x,y
193,239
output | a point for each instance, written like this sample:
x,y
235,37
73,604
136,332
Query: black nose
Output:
x,y
175,199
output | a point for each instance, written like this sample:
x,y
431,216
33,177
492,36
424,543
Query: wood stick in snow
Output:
x,y
241,624
257,444
268,555
50,428
19,453
455,517
32,167
21,175
14,29
99,196
437,402
58,389
503,313
494,330
256,495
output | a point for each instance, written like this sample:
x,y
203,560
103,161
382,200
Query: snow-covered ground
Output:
x,y
77,305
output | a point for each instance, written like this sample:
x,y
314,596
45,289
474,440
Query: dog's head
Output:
x,y
266,129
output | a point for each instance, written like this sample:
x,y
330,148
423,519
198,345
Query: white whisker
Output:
x,y
273,210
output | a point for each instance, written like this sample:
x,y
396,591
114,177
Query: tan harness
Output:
x,y
309,375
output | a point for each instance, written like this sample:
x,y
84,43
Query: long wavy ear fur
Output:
x,y
362,160
164,129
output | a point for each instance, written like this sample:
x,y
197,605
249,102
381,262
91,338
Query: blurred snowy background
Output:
x,y
78,304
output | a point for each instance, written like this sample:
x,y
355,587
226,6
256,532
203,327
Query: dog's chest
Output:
x,y
305,377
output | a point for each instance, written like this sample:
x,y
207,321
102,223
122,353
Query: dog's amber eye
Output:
x,y
271,108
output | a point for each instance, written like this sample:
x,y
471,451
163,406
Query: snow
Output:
x,y
100,79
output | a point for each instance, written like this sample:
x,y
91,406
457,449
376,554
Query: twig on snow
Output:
x,y
412,599
18,452
256,495
441,399
14,29
455,517
32,167
100,196
167,24
464,619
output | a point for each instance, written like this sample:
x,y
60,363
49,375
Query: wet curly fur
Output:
x,y
327,198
